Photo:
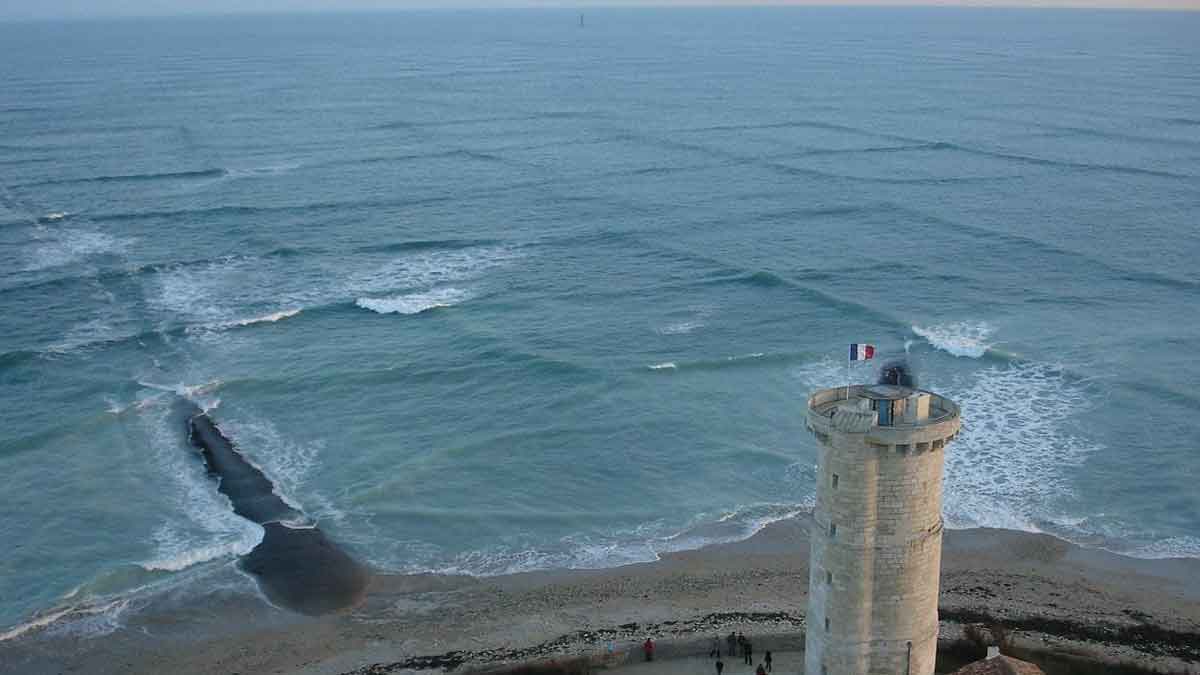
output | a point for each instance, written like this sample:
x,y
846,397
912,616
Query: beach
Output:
x,y
1054,596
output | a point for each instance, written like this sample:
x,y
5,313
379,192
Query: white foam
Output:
x,y
680,328
273,317
645,542
176,550
695,321
55,215
200,525
963,338
70,246
1171,547
84,334
667,365
215,296
286,463
828,372
100,619
415,303
425,270
200,394
1011,464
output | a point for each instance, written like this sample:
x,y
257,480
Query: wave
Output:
x,y
273,317
1137,276
427,244
414,303
199,525
108,615
242,210
54,217
425,270
117,273
681,327
736,361
289,463
1014,457
132,178
760,279
177,551
71,246
419,124
646,542
1171,547
936,145
967,339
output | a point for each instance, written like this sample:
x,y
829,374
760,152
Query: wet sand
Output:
x,y
1056,596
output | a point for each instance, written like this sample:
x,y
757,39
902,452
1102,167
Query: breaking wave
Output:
x,y
414,303
273,317
968,339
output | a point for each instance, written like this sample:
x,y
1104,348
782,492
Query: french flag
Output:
x,y
861,352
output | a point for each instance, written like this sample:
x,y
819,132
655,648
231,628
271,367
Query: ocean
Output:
x,y
485,292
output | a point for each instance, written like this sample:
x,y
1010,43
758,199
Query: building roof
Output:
x,y
999,665
887,392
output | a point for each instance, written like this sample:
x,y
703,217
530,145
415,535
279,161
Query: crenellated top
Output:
x,y
891,417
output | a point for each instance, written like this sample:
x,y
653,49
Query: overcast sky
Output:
x,y
29,9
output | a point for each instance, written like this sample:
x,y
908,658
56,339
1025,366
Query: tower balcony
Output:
x,y
891,417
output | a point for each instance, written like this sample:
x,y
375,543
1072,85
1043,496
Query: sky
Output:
x,y
43,9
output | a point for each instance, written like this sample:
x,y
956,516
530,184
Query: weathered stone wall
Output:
x,y
876,547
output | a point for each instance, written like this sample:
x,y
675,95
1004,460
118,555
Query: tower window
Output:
x,y
832,530
835,481
826,624
829,577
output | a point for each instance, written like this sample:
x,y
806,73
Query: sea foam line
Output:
x,y
112,610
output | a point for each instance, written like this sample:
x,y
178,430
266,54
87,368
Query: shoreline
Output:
x,y
1055,597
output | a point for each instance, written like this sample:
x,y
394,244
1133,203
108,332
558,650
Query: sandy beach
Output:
x,y
1055,597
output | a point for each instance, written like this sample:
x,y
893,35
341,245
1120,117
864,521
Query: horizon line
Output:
x,y
1071,5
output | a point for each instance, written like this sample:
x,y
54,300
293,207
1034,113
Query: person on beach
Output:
x,y
749,653
648,648
720,665
767,660
731,642
715,652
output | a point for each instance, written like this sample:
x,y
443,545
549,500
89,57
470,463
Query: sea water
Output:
x,y
484,292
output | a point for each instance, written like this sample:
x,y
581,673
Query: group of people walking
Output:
x,y
738,644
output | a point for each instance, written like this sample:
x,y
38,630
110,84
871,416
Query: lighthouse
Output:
x,y
876,541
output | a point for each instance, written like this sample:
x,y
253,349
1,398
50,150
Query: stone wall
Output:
x,y
876,548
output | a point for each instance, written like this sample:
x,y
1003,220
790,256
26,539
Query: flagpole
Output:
x,y
847,376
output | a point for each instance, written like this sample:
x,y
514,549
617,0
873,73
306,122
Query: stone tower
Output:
x,y
876,543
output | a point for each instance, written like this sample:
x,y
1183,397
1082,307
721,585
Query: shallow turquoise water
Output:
x,y
487,292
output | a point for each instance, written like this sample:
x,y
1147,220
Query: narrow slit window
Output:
x,y
826,624
835,481
829,577
832,530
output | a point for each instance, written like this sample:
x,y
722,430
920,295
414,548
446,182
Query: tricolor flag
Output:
x,y
861,352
